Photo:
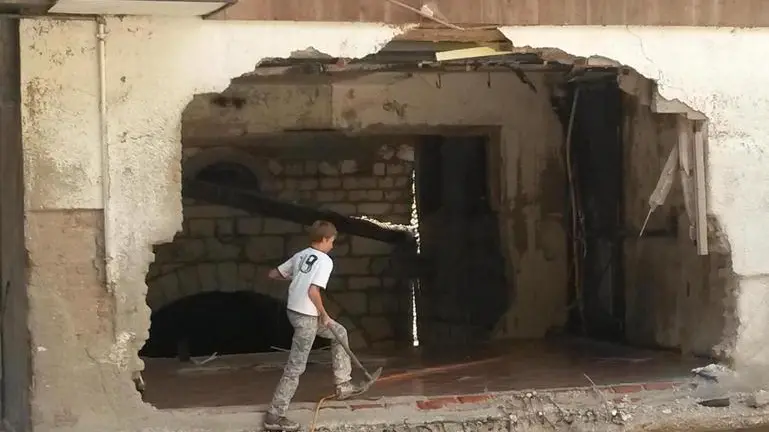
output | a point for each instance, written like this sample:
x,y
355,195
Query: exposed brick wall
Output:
x,y
225,249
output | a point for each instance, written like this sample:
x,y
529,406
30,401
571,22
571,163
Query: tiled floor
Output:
x,y
250,379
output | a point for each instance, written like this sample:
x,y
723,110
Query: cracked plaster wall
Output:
x,y
154,68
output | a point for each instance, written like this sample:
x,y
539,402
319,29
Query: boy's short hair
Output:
x,y
321,230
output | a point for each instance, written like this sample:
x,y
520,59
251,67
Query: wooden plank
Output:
x,y
717,13
701,221
254,202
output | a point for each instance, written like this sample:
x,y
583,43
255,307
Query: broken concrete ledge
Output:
x,y
651,406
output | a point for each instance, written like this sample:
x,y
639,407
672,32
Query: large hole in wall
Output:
x,y
480,203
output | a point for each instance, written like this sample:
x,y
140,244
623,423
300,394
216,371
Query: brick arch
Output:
x,y
197,162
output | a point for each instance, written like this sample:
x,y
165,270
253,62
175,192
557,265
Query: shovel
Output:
x,y
370,378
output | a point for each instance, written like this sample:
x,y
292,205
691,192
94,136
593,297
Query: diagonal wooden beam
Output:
x,y
257,203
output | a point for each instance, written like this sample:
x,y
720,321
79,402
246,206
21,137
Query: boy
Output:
x,y
308,271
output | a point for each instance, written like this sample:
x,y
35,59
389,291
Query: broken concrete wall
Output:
x,y
227,249
526,142
86,335
154,68
737,191
674,298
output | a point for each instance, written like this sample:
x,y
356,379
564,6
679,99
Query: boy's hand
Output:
x,y
325,320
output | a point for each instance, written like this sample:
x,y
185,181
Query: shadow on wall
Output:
x,y
218,322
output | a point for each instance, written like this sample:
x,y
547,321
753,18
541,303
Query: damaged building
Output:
x,y
539,226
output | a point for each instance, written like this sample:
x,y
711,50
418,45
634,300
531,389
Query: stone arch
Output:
x,y
197,160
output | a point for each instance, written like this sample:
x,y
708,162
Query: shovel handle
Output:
x,y
349,352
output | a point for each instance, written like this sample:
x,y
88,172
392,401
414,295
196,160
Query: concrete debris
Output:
x,y
758,399
716,403
712,372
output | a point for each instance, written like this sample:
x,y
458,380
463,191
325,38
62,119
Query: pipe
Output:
x,y
101,48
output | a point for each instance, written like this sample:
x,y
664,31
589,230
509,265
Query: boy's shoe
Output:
x,y
346,390
275,423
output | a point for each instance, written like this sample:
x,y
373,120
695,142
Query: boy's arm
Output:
x,y
283,272
315,298
319,281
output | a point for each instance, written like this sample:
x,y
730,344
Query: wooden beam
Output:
x,y
466,13
257,203
701,190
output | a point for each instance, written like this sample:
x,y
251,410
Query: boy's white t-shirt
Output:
x,y
307,267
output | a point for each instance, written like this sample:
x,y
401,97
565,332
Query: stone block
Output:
x,y
348,167
402,209
359,183
366,246
331,183
402,182
265,248
207,275
310,168
341,249
380,266
395,169
336,284
290,184
357,340
328,169
352,266
202,227
189,281
187,250
295,169
330,196
347,323
345,209
332,307
395,195
379,169
364,283
386,183
309,184
405,152
366,195
247,273
376,328
275,167
271,185
353,303
228,277
279,226
225,227
216,250
249,225
383,304
374,209
296,243
288,195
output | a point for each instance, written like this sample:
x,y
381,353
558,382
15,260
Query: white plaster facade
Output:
x,y
155,66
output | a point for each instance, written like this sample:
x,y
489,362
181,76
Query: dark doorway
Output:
x,y
219,322
463,291
597,163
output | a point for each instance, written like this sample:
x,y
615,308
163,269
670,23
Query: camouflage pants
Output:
x,y
306,327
